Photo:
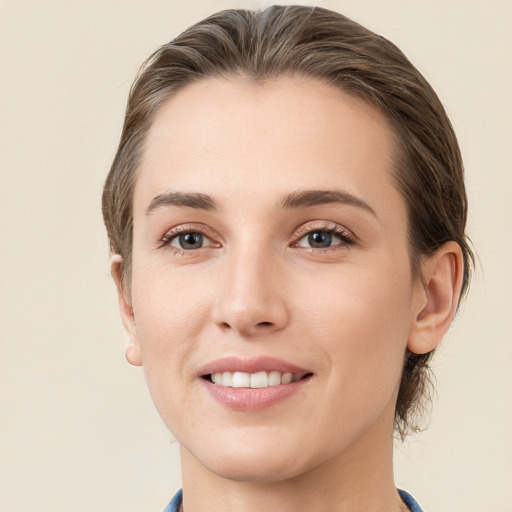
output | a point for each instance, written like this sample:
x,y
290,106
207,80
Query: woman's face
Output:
x,y
269,239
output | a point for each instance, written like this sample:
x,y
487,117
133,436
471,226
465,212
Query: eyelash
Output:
x,y
346,237
173,233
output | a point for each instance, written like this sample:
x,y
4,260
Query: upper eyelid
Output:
x,y
192,226
323,225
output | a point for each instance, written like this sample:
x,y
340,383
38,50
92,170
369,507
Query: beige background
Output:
x,y
77,428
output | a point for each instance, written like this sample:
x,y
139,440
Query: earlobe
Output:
x,y
133,350
133,353
436,298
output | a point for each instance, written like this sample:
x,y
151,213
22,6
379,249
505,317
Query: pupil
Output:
x,y
191,241
320,239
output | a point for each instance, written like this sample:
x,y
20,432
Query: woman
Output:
x,y
286,213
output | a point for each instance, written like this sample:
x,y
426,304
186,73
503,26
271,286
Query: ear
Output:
x,y
133,350
436,297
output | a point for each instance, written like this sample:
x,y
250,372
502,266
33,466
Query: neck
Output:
x,y
358,480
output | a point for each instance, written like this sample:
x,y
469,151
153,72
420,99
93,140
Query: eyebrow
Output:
x,y
307,198
188,199
299,199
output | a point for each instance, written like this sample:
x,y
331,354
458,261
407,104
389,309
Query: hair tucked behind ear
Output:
x,y
319,43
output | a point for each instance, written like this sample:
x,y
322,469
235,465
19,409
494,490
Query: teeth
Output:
x,y
286,378
241,380
254,380
227,379
274,378
259,380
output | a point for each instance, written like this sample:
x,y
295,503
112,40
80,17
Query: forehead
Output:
x,y
222,136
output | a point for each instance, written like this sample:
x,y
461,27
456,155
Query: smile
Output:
x,y
260,379
253,384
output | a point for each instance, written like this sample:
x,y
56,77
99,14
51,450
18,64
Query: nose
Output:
x,y
252,298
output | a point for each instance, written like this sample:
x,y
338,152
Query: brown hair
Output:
x,y
314,42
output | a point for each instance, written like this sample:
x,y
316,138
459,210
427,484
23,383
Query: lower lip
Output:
x,y
252,399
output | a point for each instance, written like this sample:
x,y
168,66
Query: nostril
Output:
x,y
266,324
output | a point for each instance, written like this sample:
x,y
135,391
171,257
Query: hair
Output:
x,y
322,44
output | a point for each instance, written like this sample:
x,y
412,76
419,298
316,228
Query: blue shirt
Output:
x,y
406,497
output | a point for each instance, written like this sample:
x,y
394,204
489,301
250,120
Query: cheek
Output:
x,y
166,304
363,324
362,330
169,317
170,313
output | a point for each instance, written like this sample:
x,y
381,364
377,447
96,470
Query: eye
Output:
x,y
188,238
188,241
324,237
320,239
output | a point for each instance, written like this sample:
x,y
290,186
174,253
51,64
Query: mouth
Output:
x,y
253,384
257,380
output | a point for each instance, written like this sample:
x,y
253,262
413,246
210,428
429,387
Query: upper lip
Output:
x,y
249,365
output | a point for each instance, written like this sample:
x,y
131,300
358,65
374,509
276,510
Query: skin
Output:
x,y
346,312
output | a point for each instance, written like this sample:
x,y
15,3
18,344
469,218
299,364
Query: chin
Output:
x,y
251,461
257,471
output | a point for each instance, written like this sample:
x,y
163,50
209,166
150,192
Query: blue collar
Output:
x,y
406,497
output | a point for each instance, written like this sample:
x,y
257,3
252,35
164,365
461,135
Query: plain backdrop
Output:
x,y
77,427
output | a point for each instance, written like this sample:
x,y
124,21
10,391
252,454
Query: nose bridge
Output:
x,y
251,299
